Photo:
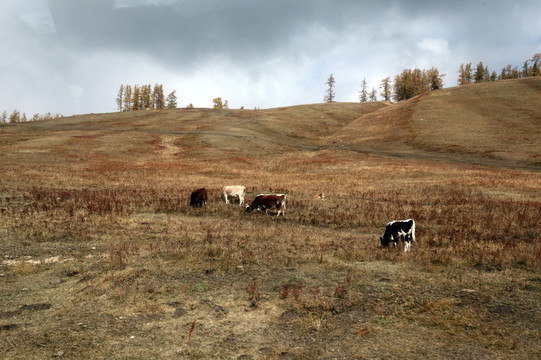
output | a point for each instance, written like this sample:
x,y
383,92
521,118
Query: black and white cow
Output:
x,y
265,202
396,229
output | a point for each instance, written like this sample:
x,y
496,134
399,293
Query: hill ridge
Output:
x,y
494,124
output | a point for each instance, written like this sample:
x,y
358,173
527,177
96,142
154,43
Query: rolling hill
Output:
x,y
490,123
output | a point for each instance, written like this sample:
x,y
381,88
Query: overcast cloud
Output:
x,y
71,56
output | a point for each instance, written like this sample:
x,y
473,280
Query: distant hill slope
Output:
x,y
497,122
181,133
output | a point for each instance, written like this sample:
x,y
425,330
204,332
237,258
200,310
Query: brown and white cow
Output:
x,y
199,198
319,196
233,191
397,229
265,202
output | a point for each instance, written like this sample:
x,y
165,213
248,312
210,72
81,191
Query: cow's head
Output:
x,y
384,241
248,209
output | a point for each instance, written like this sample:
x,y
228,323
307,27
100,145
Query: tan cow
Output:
x,y
233,191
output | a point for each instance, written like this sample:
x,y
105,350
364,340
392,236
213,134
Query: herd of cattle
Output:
x,y
394,230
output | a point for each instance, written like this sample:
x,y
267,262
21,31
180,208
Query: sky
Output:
x,y
71,56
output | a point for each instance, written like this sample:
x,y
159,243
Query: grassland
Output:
x,y
101,256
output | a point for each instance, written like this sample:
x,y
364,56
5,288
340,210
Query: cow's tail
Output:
x,y
412,230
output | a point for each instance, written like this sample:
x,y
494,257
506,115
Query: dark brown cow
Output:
x,y
198,198
265,202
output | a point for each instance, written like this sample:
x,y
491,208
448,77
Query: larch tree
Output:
x,y
434,78
363,94
128,98
465,76
414,82
469,76
146,97
159,97
536,65
510,72
172,100
419,81
217,103
385,87
486,74
120,99
136,98
373,95
462,75
479,75
403,87
329,97
15,117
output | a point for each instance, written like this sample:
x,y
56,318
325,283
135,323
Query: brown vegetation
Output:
x,y
102,256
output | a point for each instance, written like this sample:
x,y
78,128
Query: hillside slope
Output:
x,y
142,136
490,123
497,123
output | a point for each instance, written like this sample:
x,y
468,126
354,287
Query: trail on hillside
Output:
x,y
225,134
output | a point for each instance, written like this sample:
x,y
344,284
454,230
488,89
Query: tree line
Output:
x,y
467,74
16,117
142,97
407,84
413,82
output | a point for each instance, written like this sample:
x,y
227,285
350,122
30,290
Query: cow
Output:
x,y
233,191
319,196
198,198
396,229
267,202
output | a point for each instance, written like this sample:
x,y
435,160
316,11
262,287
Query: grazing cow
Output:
x,y
234,191
399,228
267,202
319,196
198,198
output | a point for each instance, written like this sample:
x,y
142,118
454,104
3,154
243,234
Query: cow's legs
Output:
x,y
407,245
395,242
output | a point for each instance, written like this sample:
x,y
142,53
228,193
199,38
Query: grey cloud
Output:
x,y
177,32
262,42
188,32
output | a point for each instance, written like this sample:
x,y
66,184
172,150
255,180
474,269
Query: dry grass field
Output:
x,y
101,256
